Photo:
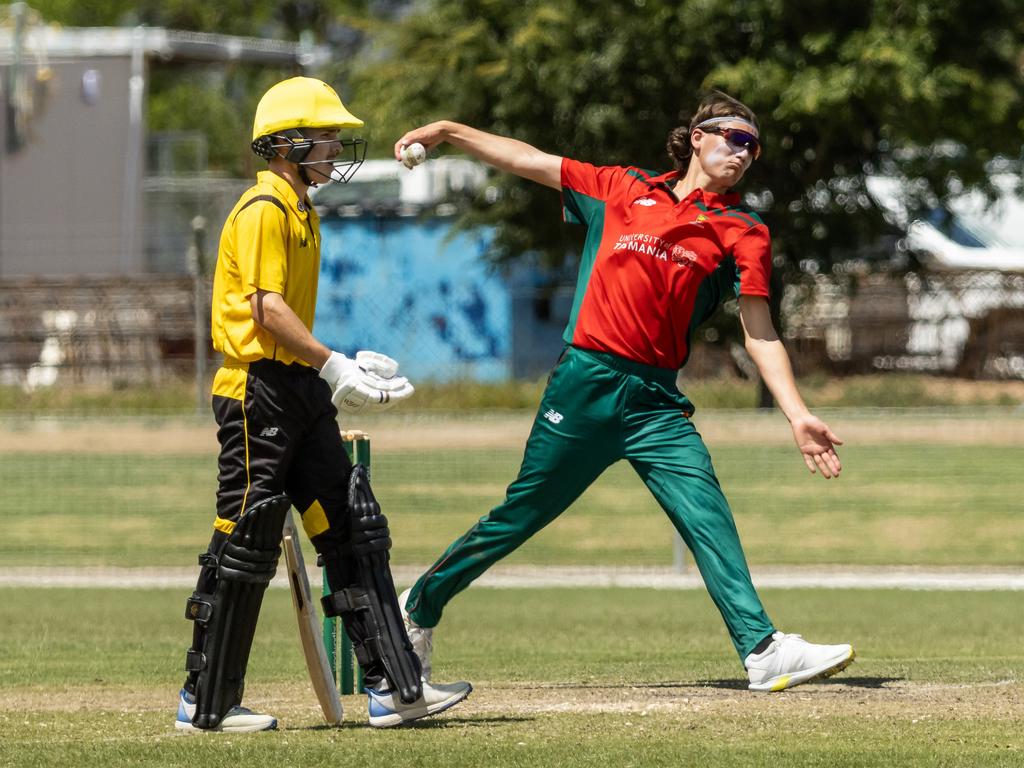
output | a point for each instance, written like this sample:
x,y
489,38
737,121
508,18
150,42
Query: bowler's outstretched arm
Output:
x,y
813,437
503,153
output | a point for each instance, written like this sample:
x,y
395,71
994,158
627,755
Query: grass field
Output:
x,y
590,677
595,677
923,504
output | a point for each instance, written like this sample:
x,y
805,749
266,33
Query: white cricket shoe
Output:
x,y
791,660
387,709
422,638
237,720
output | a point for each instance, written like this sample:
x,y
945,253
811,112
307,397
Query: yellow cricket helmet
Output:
x,y
301,102
305,102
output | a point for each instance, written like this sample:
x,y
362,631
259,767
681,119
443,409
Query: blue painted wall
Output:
x,y
409,288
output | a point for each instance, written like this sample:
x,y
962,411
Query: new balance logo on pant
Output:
x,y
553,416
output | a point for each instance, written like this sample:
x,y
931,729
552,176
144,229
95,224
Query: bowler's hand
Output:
x,y
817,444
429,136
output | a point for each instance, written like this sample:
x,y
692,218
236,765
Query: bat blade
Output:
x,y
309,625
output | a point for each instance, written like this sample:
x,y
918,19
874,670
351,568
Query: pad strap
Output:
x,y
345,601
199,608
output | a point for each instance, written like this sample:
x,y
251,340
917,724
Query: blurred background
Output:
x,y
891,182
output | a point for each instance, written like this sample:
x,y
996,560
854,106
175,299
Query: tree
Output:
x,y
927,89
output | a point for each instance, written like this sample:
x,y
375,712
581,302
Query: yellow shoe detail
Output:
x,y
781,684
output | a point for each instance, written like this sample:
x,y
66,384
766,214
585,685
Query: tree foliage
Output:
x,y
930,89
227,17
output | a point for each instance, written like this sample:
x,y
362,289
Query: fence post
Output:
x,y
196,263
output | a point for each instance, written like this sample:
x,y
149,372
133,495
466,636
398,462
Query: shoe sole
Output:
x,y
186,727
401,718
782,682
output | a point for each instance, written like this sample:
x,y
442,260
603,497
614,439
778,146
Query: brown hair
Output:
x,y
714,104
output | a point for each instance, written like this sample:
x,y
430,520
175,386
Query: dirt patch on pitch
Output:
x,y
843,696
847,696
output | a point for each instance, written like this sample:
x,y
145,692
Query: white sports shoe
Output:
x,y
237,720
791,660
422,638
387,709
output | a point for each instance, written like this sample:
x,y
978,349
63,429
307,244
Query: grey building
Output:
x,y
73,185
94,280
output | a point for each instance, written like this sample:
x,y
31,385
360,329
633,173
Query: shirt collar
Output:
x,y
710,199
284,189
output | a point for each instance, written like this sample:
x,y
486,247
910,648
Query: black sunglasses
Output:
x,y
739,139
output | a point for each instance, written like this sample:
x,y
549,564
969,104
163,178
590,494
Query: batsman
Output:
x,y
276,399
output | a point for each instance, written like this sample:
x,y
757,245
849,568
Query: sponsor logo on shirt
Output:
x,y
645,201
652,245
683,257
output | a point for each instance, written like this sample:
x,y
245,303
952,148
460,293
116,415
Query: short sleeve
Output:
x,y
261,240
586,187
753,255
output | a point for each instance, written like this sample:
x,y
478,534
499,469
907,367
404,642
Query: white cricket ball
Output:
x,y
413,155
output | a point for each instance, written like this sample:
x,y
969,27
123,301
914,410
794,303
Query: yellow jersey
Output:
x,y
270,242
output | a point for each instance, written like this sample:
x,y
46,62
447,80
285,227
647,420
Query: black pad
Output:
x,y
226,605
369,608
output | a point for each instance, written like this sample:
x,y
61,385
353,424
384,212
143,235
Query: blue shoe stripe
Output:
x,y
184,698
377,709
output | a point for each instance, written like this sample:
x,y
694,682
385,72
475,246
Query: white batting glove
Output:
x,y
354,388
375,393
375,362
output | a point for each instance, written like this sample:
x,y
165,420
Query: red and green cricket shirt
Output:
x,y
647,255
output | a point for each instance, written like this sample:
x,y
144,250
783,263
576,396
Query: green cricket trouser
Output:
x,y
599,408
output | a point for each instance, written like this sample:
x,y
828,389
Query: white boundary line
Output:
x,y
576,577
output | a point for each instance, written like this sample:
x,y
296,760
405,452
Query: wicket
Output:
x,y
347,674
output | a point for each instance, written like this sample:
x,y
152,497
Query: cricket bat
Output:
x,y
309,625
